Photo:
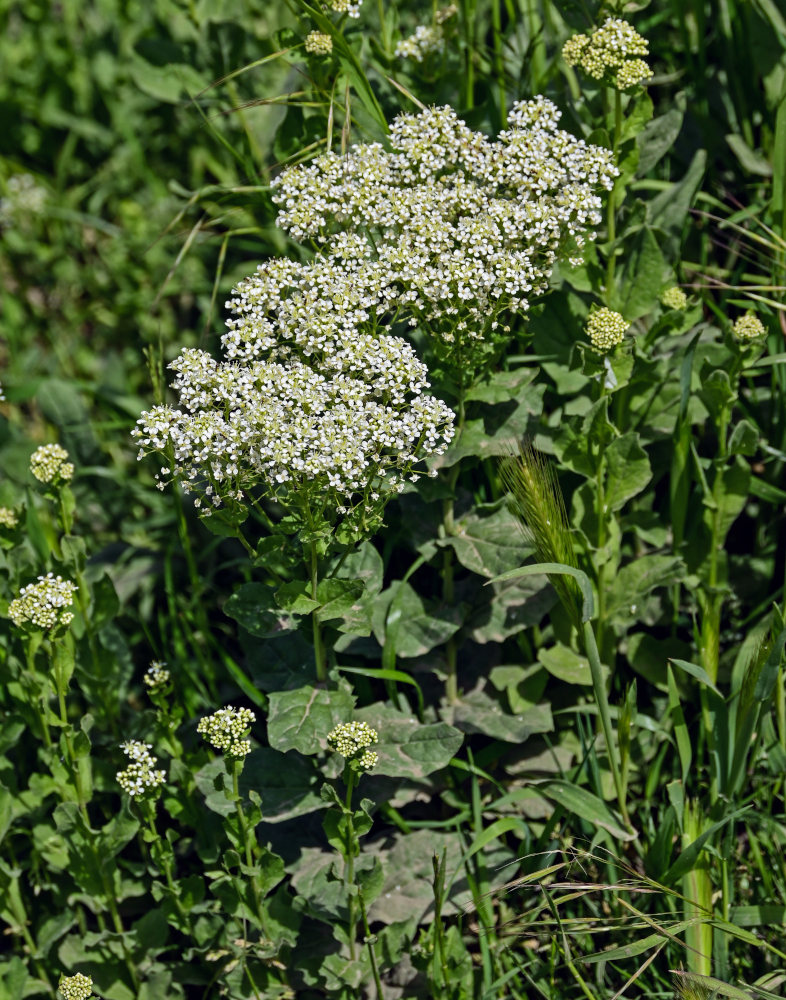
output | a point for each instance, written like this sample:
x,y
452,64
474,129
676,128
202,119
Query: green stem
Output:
x,y
448,592
165,861
370,944
236,767
349,861
383,27
61,684
319,646
30,651
601,697
611,208
499,65
710,624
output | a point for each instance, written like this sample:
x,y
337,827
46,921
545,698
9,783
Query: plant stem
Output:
x,y
319,646
236,767
349,861
370,943
448,595
164,860
601,697
611,209
383,27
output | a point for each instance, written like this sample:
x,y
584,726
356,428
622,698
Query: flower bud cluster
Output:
x,y
49,464
464,228
156,676
23,199
351,740
427,40
319,44
749,327
606,329
8,518
45,604
674,298
611,52
140,779
76,987
346,7
226,730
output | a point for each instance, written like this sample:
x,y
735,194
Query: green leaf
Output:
x,y
536,569
586,805
502,386
512,606
406,748
645,273
488,543
636,579
287,783
688,857
338,598
301,719
295,598
744,439
565,664
695,671
401,618
629,470
656,139
668,210
253,605
477,712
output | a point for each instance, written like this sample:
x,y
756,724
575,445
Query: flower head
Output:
x,y
351,740
140,779
612,52
226,730
346,7
45,604
24,198
749,327
674,298
319,44
76,987
606,329
49,464
156,676
427,40
8,518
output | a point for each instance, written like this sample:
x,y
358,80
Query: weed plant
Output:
x,y
447,659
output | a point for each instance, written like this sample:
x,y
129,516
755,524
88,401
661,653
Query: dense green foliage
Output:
x,y
569,640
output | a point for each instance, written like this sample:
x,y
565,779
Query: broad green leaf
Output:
x,y
407,748
637,579
338,598
400,617
669,210
478,713
536,569
744,439
363,563
488,543
628,470
253,605
565,664
695,671
766,915
295,597
301,719
508,608
583,803
287,783
656,139
502,386
645,273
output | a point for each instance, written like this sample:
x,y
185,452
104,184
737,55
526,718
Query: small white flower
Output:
x,y
226,730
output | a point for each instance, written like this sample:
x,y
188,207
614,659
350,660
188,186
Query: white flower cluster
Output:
x,y
346,7
156,676
226,730
351,740
674,298
749,327
310,394
2,394
318,43
76,987
140,778
44,604
460,227
49,464
23,198
8,518
427,40
610,51
606,329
